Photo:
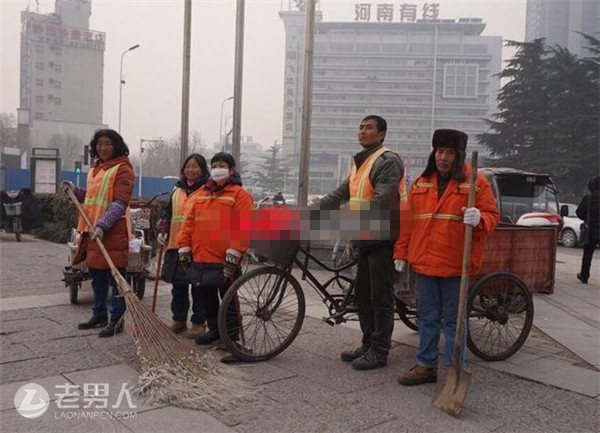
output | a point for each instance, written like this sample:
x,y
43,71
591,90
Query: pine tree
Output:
x,y
548,118
271,176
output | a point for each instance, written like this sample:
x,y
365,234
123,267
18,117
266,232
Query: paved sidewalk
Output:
x,y
550,385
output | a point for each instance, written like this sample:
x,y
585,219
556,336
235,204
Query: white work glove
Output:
x,y
65,185
400,265
162,239
472,216
98,234
231,267
185,257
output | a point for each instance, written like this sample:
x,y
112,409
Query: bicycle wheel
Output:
x,y
261,314
407,315
500,316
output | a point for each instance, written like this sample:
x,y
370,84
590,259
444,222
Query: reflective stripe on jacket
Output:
x,y
98,195
211,224
181,204
434,243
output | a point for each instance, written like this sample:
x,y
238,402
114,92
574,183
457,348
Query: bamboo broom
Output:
x,y
171,372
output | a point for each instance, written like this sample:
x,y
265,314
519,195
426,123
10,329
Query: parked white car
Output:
x,y
569,236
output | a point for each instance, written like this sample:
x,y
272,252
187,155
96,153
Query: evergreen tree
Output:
x,y
548,118
271,176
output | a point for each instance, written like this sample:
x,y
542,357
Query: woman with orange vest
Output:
x,y
212,239
194,174
106,203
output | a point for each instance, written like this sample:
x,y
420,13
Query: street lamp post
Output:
x,y
121,81
228,132
142,141
221,124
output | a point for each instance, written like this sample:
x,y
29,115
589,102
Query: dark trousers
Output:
x,y
375,298
101,280
212,287
586,260
180,303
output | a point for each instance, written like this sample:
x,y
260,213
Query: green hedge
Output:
x,y
59,216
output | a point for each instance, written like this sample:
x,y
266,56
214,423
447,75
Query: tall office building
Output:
x,y
558,21
417,71
62,67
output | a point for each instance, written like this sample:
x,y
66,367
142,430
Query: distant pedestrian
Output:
x,y
589,211
106,204
194,175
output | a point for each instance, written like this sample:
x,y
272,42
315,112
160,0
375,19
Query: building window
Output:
x,y
39,66
39,49
57,101
460,80
39,99
39,82
38,116
57,84
57,68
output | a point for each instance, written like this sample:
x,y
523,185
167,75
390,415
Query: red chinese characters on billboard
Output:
x,y
406,12
53,33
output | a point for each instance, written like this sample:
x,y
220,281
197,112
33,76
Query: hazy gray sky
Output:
x,y
152,95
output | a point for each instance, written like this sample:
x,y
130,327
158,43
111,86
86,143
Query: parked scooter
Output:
x,y
12,202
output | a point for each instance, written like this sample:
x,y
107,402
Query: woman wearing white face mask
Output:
x,y
216,259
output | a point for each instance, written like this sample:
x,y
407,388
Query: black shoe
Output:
x,y
584,281
351,355
208,337
94,322
230,359
369,361
111,329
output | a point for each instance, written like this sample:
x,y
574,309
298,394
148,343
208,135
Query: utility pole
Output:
x,y
185,92
307,79
237,85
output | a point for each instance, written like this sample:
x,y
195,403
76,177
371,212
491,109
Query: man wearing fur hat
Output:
x,y
372,186
433,246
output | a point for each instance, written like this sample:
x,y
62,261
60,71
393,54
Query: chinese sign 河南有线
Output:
x,y
407,13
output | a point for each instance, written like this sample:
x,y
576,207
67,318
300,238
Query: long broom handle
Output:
x,y
157,276
464,276
113,268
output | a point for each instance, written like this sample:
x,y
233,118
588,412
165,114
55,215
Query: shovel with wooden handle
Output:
x,y
451,396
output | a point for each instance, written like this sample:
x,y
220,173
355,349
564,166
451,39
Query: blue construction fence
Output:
x,y
21,178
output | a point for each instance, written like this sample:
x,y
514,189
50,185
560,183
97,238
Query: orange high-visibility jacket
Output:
x,y
434,243
181,204
212,224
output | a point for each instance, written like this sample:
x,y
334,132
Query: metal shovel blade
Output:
x,y
451,396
